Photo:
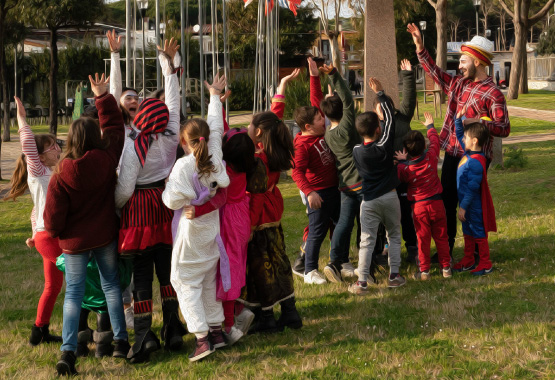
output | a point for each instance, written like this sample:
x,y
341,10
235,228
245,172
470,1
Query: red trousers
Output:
x,y
430,221
53,278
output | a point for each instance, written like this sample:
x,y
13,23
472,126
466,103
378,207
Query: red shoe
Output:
x,y
203,348
217,337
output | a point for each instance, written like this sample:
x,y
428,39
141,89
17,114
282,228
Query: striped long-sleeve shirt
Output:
x,y
481,98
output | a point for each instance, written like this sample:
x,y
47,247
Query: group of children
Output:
x,y
209,223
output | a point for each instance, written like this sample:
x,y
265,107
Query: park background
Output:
x,y
495,327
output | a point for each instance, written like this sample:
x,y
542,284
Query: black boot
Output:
x,y
298,265
412,254
172,329
264,322
66,364
103,340
289,316
42,335
83,338
146,341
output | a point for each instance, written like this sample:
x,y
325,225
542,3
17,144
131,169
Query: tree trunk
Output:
x,y
523,83
54,65
3,82
441,28
518,53
335,51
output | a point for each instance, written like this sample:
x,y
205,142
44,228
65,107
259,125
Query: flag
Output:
x,y
247,2
269,6
291,4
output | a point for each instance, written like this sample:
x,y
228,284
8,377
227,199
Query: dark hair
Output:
x,y
414,143
126,116
367,123
196,132
377,101
90,111
238,152
18,182
276,140
125,89
479,131
158,93
332,107
304,116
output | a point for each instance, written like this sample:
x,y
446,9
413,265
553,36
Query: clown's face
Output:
x,y
467,67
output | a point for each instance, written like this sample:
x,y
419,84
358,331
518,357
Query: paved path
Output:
x,y
530,113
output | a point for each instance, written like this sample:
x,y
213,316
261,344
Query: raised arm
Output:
x,y
28,145
278,101
459,131
388,131
215,117
170,61
409,90
316,94
344,93
434,147
115,69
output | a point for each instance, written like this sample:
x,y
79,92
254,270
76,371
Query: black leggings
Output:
x,y
158,258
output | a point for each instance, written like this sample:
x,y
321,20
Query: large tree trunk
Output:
x,y
335,51
54,65
523,82
518,53
3,82
441,27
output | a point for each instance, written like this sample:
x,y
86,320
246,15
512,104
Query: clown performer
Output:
x,y
484,103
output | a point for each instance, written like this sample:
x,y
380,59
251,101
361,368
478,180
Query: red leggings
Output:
x,y
430,222
53,278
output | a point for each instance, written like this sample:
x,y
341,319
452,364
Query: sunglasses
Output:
x,y
53,147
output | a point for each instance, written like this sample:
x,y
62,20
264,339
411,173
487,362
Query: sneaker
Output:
x,y
347,270
481,272
244,320
332,273
396,281
121,349
217,337
447,273
298,265
203,348
234,335
129,318
371,279
424,276
66,364
359,288
314,277
462,267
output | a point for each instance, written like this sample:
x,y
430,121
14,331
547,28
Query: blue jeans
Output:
x,y
318,225
76,275
341,240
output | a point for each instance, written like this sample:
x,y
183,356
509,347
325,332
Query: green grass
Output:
x,y
496,327
535,99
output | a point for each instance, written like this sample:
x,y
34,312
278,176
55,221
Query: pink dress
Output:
x,y
235,230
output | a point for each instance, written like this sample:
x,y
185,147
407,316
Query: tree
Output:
x,y
522,22
440,7
330,28
5,7
546,45
487,7
54,15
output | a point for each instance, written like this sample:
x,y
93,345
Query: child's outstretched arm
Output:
x,y
459,127
432,134
348,120
28,145
316,94
388,132
409,91
278,102
115,70
215,117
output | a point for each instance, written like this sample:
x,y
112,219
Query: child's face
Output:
x,y
318,126
470,143
130,101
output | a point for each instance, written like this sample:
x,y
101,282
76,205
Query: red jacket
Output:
x,y
80,205
314,164
421,172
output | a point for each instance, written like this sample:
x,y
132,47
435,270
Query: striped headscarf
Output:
x,y
152,118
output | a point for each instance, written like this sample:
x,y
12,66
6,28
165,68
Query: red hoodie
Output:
x,y
80,205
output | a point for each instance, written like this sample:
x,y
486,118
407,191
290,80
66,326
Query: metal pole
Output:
x,y
128,16
144,66
201,51
134,45
158,69
213,32
226,58
15,69
183,79
477,29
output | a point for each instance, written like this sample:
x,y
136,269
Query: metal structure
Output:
x,y
143,6
477,6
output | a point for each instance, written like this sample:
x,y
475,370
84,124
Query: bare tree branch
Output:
x,y
541,13
506,8
432,3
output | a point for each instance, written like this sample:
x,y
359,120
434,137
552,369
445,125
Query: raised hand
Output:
x,y
330,92
283,84
217,86
170,48
114,41
99,86
461,113
375,85
400,155
416,36
312,67
224,97
21,114
327,69
405,65
428,119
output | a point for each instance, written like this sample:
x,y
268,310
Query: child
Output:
x,y
33,170
146,222
476,210
269,275
424,193
380,204
316,176
235,227
80,212
197,248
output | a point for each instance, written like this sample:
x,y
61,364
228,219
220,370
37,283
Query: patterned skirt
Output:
x,y
269,274
146,222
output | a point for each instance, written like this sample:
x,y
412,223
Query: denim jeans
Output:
x,y
319,223
76,275
341,240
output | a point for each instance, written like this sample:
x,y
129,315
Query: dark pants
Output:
x,y
450,196
341,240
158,258
407,224
319,222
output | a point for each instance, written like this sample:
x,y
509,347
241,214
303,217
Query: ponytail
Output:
x,y
196,132
18,182
276,140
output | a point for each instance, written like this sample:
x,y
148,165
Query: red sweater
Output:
x,y
421,172
80,205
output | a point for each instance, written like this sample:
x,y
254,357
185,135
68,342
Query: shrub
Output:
x,y
514,158
242,92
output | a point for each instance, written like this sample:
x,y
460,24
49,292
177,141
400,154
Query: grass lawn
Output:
x,y
496,327
535,99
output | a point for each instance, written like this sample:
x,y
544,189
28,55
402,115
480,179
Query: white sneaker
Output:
x,y
314,277
234,335
244,320
348,270
129,318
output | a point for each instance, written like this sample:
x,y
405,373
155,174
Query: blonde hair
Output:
x,y
196,132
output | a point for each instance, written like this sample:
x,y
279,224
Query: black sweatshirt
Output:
x,y
374,160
